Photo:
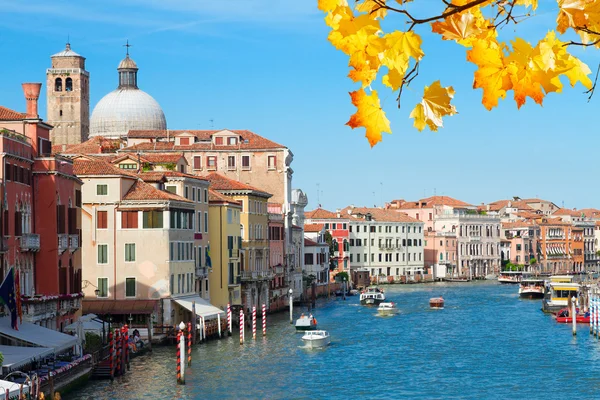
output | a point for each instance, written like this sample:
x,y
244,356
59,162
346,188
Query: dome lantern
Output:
x,y
127,71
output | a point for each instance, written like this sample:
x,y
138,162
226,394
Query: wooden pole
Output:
x,y
179,380
189,344
264,320
229,318
574,315
254,322
242,326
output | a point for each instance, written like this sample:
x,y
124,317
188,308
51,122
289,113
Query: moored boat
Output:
x,y
510,277
372,296
563,317
387,309
305,323
436,302
457,279
531,288
314,339
558,294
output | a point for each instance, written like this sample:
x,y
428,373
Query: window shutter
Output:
x,y
197,162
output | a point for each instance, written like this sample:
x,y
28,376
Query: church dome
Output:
x,y
126,108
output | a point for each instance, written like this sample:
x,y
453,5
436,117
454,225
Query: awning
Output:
x,y
16,357
13,389
36,335
203,307
119,306
87,326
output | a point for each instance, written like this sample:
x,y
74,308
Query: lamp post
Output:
x,y
344,287
86,283
291,300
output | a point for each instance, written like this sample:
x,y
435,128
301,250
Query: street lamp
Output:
x,y
291,301
181,325
86,283
344,288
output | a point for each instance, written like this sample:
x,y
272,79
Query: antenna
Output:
x,y
212,125
434,191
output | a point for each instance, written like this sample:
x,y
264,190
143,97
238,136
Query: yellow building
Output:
x,y
225,243
254,218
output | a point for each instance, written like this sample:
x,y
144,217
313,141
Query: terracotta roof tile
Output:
x,y
144,191
6,114
433,201
82,167
379,214
215,196
254,141
310,243
313,227
590,212
220,182
517,224
320,213
95,145
566,211
158,176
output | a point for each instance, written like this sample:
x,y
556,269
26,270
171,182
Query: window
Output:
x,y
102,287
69,85
129,252
205,222
186,192
245,162
129,287
271,162
230,162
153,219
128,166
102,254
129,219
171,189
102,190
219,141
184,141
193,193
197,162
206,195
231,141
58,85
102,219
211,162
229,216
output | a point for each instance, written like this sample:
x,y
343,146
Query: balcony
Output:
x,y
234,253
201,272
74,243
63,242
278,270
40,308
249,276
30,242
3,244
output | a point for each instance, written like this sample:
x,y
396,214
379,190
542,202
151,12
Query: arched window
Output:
x,y
58,85
69,84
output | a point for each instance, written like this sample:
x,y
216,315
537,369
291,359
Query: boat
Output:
x,y
372,296
436,302
315,339
353,292
457,279
305,323
563,317
532,288
510,277
491,277
557,295
387,308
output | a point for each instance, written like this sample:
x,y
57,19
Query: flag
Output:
x,y
7,297
208,262
18,296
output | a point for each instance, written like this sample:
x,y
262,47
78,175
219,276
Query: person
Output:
x,y
302,316
137,339
136,332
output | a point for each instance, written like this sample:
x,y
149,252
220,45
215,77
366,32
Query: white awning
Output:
x,y
36,335
203,307
87,326
17,356
13,389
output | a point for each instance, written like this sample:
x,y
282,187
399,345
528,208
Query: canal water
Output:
x,y
486,343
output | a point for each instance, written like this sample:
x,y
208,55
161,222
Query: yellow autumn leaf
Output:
x,y
372,8
330,5
369,115
527,3
464,28
399,48
353,33
434,105
492,75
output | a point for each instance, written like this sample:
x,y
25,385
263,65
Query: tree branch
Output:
x,y
408,78
593,88
509,17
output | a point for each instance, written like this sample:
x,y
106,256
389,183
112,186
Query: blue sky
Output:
x,y
265,65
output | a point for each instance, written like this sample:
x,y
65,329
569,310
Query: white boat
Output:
x,y
436,302
532,288
387,308
510,277
558,295
372,296
305,323
314,339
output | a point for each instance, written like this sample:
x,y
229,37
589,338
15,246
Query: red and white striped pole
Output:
x,y
189,349
179,380
254,322
241,326
111,347
264,320
119,348
229,318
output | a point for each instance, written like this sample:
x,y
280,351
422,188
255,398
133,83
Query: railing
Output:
x,y
256,275
30,242
201,272
73,243
278,270
63,242
3,244
234,253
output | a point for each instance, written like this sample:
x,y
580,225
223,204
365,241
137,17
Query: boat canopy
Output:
x,y
203,308
16,357
35,335
561,278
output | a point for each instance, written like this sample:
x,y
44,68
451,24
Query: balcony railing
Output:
x,y
278,270
30,242
201,272
63,242
74,243
256,275
234,253
3,244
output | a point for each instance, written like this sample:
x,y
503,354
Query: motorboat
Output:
x,y
491,277
457,279
436,302
558,294
306,323
372,296
510,277
531,288
388,308
563,317
315,339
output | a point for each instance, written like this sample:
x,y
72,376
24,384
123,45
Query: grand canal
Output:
x,y
486,343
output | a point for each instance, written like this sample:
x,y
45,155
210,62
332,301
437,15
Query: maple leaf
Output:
x,y
527,3
464,27
353,33
369,115
579,14
372,8
434,105
399,48
492,75
330,5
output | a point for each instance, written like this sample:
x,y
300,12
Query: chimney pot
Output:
x,y
32,94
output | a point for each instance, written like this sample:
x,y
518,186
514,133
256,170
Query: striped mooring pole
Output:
x,y
189,349
254,322
229,318
241,326
111,357
179,380
264,320
118,343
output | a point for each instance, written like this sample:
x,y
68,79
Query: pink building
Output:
x,y
278,285
520,244
440,253
338,227
428,209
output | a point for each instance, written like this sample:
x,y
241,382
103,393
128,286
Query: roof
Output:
x,y
220,182
320,213
159,176
313,227
249,140
144,191
500,204
529,215
308,242
67,52
6,114
214,196
83,167
434,201
37,335
94,145
379,214
590,212
517,224
566,211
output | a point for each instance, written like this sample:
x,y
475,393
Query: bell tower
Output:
x,y
68,98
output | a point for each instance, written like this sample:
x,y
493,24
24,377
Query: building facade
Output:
x,y
338,227
440,254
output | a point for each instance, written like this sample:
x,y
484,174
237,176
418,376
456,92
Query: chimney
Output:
x,y
338,212
32,94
